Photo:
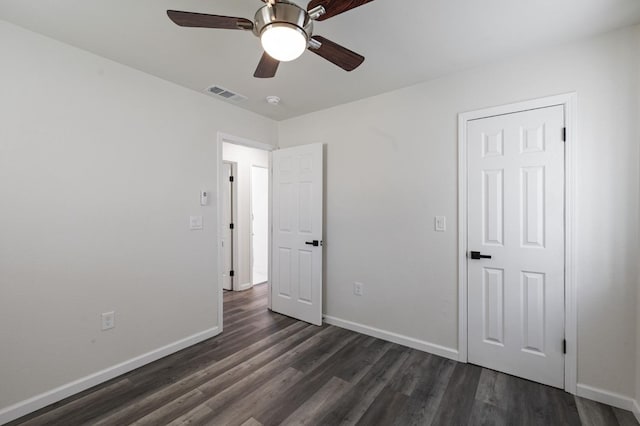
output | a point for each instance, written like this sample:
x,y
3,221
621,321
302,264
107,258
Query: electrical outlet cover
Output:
x,y
358,289
108,320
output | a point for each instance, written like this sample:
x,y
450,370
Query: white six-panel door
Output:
x,y
516,216
296,280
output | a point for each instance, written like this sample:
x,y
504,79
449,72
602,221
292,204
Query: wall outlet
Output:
x,y
358,289
108,320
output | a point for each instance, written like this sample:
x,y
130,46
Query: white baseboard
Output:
x,y
394,337
37,402
243,287
607,397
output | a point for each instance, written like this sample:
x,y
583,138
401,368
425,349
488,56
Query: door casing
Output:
x,y
569,101
233,218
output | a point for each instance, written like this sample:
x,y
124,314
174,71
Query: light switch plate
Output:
x,y
441,223
195,223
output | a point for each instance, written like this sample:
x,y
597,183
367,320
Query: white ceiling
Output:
x,y
404,42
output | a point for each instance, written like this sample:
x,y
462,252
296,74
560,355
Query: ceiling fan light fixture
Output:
x,y
284,42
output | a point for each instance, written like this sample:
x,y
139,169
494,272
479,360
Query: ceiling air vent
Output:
x,y
223,93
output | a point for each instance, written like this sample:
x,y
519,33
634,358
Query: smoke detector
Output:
x,y
273,100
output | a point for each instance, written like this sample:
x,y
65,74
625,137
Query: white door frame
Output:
x,y
222,138
234,219
569,101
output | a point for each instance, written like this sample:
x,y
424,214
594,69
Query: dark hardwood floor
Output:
x,y
270,369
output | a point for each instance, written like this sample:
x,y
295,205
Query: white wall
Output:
x,y
391,167
245,157
100,169
260,223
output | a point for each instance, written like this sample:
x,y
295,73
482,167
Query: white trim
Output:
x,y
393,337
569,101
243,287
607,397
270,231
462,238
235,235
236,140
251,223
218,240
47,398
570,220
234,219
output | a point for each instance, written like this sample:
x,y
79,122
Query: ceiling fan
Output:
x,y
285,30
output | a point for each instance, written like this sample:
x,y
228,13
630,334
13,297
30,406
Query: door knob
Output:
x,y
477,255
314,243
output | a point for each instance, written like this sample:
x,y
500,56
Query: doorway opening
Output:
x,y
245,216
275,225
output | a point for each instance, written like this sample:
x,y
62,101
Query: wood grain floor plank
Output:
x,y
225,397
268,369
428,389
356,402
564,408
487,414
459,397
316,405
195,416
411,372
315,379
529,402
252,422
155,379
254,401
595,414
233,381
356,367
385,409
625,418
257,368
277,343
56,415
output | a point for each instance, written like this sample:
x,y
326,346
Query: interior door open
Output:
x,y
296,280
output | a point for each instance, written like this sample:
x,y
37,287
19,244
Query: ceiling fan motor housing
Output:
x,y
283,13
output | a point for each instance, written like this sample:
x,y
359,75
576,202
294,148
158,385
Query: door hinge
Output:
x,y
564,134
230,178
232,273
231,226
564,346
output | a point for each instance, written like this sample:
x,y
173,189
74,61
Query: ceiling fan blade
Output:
x,y
202,20
335,7
267,67
341,56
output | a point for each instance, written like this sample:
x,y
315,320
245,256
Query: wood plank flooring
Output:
x,y
268,369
